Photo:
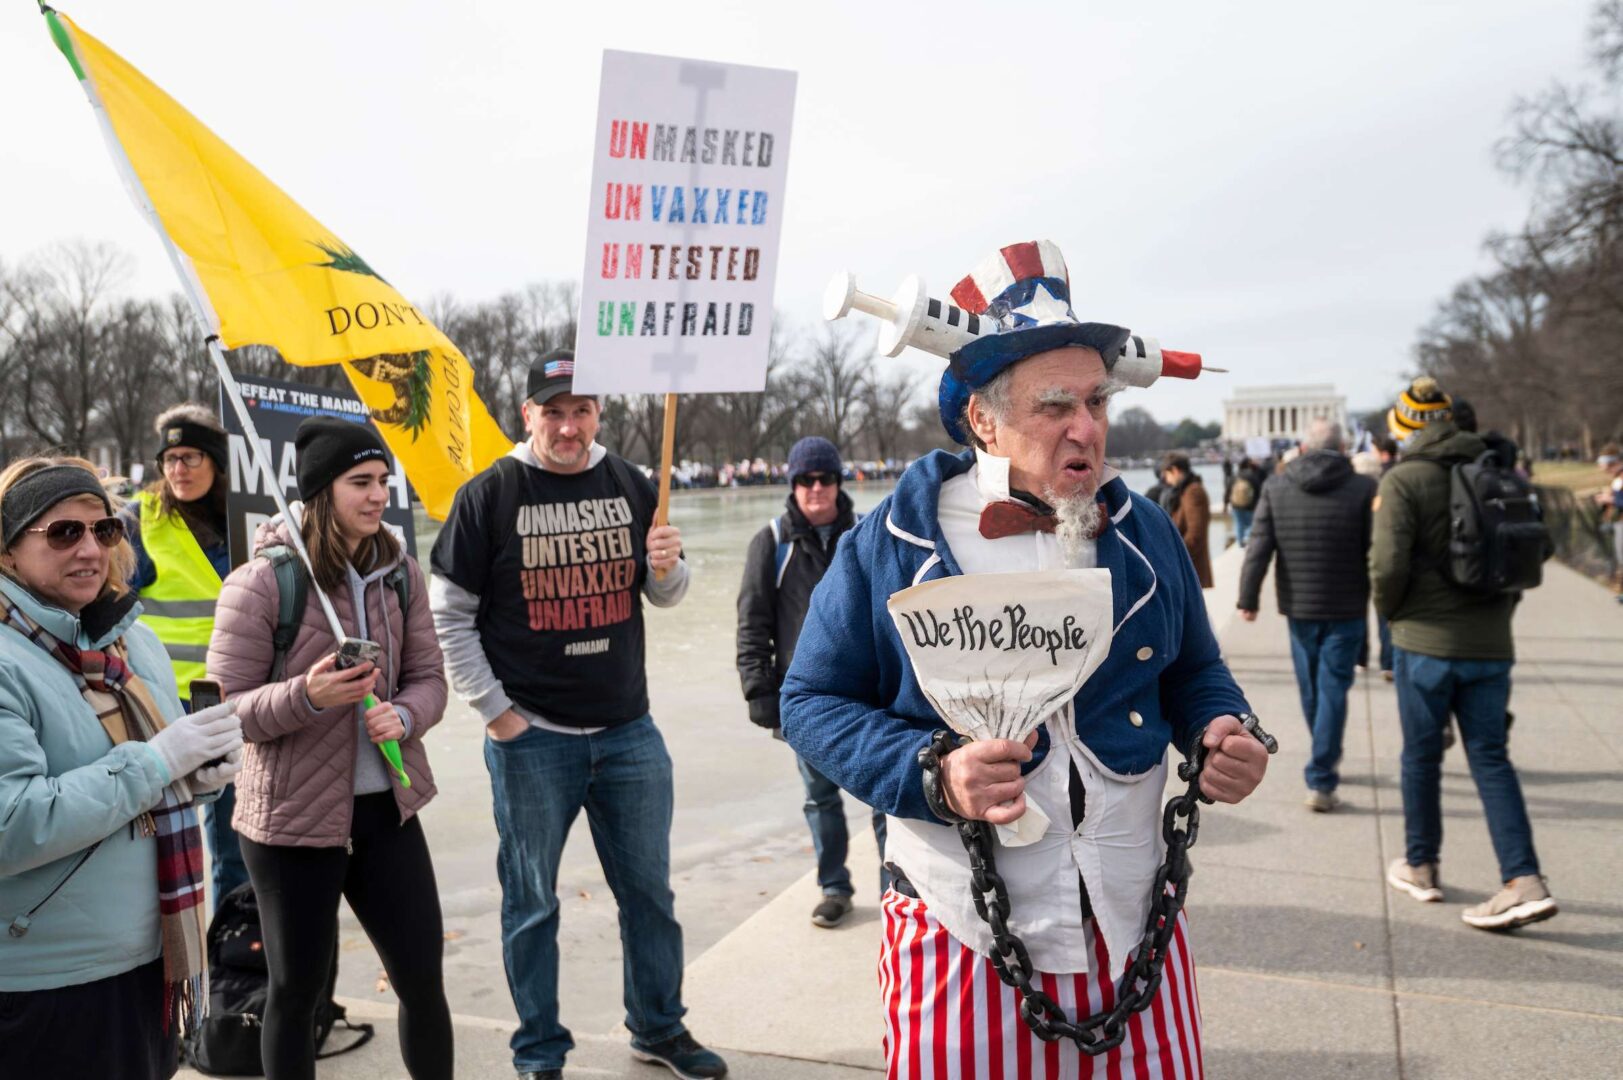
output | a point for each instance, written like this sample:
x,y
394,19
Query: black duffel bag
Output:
x,y
227,1041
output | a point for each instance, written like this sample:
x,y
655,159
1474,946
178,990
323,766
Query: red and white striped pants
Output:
x,y
949,1017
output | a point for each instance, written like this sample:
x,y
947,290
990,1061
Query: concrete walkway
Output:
x,y
1309,965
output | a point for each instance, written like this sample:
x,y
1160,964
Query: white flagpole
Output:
x,y
233,394
195,295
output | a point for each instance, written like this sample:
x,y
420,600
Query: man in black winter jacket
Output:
x,y
1317,515
785,562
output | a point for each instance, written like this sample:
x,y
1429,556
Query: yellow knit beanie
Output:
x,y
1422,403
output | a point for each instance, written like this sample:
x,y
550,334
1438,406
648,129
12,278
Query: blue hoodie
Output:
x,y
64,786
852,707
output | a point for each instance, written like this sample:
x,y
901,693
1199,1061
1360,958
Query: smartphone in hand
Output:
x,y
353,652
206,693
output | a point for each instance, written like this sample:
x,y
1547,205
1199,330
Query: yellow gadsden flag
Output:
x,y
264,272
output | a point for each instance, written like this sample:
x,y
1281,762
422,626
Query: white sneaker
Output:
x,y
1321,802
1523,900
1419,882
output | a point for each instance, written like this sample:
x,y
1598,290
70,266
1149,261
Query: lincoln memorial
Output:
x,y
1280,412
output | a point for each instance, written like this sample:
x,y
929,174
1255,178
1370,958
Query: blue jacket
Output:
x,y
64,786
853,709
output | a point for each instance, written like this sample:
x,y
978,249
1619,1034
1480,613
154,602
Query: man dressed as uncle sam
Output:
x,y
1018,589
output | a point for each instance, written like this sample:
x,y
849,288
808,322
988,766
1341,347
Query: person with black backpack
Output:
x,y
785,561
321,813
1242,494
1457,538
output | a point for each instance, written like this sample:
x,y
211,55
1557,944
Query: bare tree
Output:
x,y
57,338
745,426
832,380
1534,344
1135,433
501,338
135,376
885,402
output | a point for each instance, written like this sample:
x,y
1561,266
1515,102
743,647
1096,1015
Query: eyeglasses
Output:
x,y
64,535
189,458
812,479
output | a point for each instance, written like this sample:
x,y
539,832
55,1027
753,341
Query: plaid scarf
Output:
x,y
127,711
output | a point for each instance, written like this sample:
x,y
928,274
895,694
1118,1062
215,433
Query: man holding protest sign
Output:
x,y
1071,774
538,579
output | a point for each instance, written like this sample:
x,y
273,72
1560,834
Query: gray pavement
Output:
x,y
1309,965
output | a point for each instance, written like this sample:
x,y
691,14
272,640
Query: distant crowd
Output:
x,y
761,473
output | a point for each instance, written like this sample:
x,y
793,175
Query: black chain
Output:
x,y
1141,981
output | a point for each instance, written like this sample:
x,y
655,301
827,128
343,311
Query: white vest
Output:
x,y
1116,850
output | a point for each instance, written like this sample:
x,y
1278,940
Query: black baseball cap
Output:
x,y
551,374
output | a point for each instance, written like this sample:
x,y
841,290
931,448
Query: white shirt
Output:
x,y
959,511
1116,850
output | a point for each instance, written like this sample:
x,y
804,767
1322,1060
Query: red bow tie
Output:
x,y
1000,519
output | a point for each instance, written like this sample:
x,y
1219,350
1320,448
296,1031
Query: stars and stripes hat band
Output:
x,y
1024,292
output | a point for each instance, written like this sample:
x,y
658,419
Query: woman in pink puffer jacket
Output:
x,y
318,811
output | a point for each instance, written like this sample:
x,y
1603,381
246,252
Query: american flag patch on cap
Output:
x,y
553,369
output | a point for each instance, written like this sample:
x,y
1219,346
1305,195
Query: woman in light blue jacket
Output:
x,y
99,770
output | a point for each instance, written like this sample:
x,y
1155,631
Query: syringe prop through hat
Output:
x,y
914,318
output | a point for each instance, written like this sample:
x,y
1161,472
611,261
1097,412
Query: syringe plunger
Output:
x,y
911,318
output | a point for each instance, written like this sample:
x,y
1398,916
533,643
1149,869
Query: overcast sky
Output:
x,y
1287,188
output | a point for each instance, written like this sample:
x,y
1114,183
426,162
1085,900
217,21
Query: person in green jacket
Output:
x,y
1452,653
100,769
177,528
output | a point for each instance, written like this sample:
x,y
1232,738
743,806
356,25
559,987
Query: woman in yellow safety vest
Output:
x,y
177,526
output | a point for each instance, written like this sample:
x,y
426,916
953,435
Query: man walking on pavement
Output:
x,y
1316,516
786,560
537,593
1452,651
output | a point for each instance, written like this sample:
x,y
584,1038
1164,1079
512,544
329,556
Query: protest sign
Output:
x,y
682,238
277,408
998,654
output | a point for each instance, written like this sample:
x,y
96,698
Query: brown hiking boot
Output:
x,y
1419,882
1523,900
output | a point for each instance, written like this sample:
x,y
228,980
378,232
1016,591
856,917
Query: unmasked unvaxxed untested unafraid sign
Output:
x,y
682,238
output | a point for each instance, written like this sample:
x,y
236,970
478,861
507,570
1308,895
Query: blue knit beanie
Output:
x,y
814,454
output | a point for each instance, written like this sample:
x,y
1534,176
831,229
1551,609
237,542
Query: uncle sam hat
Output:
x,y
1024,291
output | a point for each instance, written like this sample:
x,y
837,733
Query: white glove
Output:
x,y
214,777
198,738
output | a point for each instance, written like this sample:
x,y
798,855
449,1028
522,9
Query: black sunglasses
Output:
x,y
812,479
64,535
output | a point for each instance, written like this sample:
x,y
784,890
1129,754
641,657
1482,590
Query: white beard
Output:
x,y
1078,517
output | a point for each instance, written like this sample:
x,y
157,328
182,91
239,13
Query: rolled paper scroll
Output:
x,y
998,654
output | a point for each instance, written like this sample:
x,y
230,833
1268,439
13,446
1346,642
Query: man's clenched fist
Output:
x,y
982,781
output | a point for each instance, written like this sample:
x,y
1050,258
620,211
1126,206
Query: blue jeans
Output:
x,y
1383,630
1476,692
825,813
224,849
1324,652
622,778
1242,523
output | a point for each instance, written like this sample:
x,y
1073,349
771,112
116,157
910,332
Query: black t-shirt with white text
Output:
x,y
558,562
